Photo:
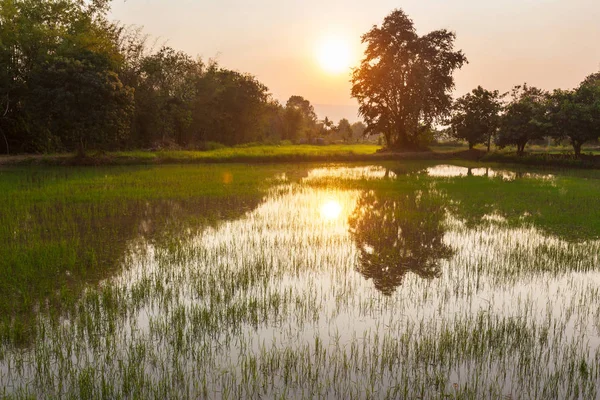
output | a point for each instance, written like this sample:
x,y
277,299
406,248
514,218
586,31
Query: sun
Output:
x,y
334,55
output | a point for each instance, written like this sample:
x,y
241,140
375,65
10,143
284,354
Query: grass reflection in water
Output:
x,y
286,301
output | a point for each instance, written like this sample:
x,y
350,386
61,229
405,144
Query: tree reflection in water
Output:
x,y
396,234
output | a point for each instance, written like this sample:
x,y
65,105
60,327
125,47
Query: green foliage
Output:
x,y
294,123
476,116
74,81
300,119
80,104
404,81
164,91
60,60
575,114
524,118
229,107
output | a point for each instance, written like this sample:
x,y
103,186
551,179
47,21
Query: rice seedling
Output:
x,y
330,281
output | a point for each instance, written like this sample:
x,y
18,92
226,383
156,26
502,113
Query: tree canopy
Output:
x,y
301,119
476,116
71,80
404,82
523,118
344,129
58,83
575,114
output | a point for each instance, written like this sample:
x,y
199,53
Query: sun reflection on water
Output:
x,y
317,280
331,210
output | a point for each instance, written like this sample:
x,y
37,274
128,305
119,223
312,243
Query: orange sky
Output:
x,y
547,43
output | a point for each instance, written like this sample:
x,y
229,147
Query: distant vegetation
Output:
x,y
404,86
73,81
531,114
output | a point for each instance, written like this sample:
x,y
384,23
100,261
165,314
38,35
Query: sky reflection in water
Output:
x,y
318,261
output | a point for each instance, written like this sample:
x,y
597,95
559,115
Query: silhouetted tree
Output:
x,y
309,117
344,129
294,126
300,103
274,124
358,131
476,116
397,234
404,81
326,127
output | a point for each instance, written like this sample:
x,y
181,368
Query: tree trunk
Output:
x,y
471,145
81,149
400,138
388,140
489,143
6,141
577,148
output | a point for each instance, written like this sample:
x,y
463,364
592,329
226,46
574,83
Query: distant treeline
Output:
x,y
70,80
530,114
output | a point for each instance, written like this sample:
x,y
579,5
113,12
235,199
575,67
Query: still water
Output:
x,y
388,281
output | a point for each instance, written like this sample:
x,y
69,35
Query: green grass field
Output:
x,y
259,152
249,154
64,227
536,155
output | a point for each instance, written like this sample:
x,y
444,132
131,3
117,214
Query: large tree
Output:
x,y
164,93
524,118
476,116
404,82
229,107
575,114
293,124
358,131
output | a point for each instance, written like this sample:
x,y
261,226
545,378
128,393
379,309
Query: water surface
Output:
x,y
340,281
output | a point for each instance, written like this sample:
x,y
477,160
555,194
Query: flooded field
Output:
x,y
353,281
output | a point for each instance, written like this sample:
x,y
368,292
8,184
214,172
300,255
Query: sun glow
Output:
x,y
331,210
334,55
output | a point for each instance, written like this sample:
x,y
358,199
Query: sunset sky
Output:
x,y
547,43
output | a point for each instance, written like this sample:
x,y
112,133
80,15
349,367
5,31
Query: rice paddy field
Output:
x,y
410,280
